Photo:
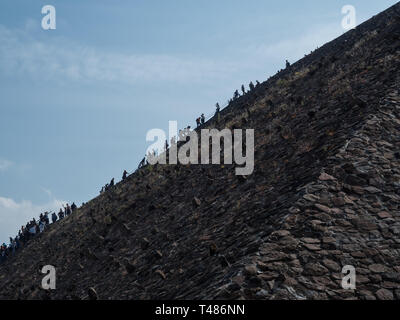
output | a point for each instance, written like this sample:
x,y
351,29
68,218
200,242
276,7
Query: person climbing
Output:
x,y
46,218
124,175
251,86
198,122
41,227
61,214
243,90
287,64
32,227
217,108
69,211
54,217
203,119
73,207
142,163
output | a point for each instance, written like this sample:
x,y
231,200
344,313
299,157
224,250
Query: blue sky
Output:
x,y
76,102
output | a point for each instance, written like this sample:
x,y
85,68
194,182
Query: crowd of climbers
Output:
x,y
108,186
33,228
184,133
200,121
37,226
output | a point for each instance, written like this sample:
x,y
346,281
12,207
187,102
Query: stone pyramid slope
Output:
x,y
324,194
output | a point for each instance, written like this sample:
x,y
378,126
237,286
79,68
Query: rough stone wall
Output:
x,y
349,216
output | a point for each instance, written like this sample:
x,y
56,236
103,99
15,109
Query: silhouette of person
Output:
x,y
251,86
73,207
54,217
142,163
61,214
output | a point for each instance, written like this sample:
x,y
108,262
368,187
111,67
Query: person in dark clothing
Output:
x,y
243,89
67,210
73,207
251,86
53,217
203,118
21,234
142,163
217,108
236,95
61,214
198,122
111,183
287,64
257,83
124,175
2,254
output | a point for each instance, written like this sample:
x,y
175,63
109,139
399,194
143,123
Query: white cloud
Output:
x,y
47,191
293,48
296,48
21,54
15,214
61,59
5,164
